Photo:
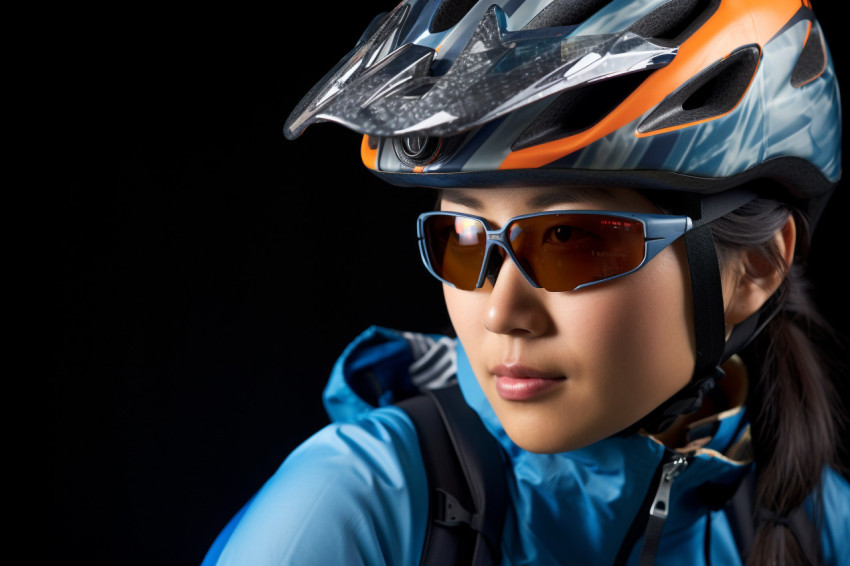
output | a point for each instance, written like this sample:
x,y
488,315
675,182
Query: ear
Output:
x,y
755,277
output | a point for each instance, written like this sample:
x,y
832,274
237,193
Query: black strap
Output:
x,y
464,465
650,541
748,329
709,319
709,323
740,512
745,519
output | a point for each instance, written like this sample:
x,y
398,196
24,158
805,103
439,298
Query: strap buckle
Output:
x,y
449,511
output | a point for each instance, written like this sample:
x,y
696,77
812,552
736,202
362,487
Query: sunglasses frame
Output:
x,y
659,231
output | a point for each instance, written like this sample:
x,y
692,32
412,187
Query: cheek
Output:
x,y
631,347
648,336
651,318
677,295
466,310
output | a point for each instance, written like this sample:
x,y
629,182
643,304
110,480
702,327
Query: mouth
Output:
x,y
515,382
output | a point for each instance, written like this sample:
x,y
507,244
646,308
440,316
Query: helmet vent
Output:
x,y
449,13
578,109
712,93
565,13
675,21
812,61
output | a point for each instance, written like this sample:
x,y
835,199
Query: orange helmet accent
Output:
x,y
735,23
369,154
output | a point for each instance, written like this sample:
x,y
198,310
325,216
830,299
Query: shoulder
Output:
x,y
834,518
353,493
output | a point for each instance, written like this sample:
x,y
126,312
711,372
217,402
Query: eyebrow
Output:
x,y
569,195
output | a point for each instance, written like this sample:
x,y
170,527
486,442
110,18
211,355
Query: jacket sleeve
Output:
x,y
353,493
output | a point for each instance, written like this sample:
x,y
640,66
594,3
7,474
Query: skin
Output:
x,y
610,353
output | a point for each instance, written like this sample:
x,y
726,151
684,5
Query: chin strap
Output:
x,y
745,331
712,348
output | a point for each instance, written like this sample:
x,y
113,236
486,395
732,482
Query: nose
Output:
x,y
514,307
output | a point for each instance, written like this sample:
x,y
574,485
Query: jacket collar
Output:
x,y
605,483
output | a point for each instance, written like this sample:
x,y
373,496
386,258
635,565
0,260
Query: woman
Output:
x,y
626,191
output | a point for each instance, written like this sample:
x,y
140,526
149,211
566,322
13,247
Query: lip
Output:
x,y
515,382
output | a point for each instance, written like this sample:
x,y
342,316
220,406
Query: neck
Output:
x,y
731,392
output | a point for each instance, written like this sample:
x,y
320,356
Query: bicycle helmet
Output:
x,y
700,97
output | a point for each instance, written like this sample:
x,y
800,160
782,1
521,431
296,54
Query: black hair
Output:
x,y
796,418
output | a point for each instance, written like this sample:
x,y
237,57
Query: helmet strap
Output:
x,y
745,331
709,319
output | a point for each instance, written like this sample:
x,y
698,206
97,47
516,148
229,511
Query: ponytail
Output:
x,y
795,417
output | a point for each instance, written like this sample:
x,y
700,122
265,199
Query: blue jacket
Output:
x,y
355,492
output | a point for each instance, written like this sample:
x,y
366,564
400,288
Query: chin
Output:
x,y
541,441
538,447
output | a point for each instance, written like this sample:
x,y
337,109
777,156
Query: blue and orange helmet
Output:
x,y
694,95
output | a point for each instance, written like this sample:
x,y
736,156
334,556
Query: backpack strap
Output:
x,y
464,465
740,512
745,519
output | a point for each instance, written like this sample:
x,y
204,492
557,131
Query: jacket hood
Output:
x,y
382,366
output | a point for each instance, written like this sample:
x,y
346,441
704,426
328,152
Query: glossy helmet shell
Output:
x,y
687,95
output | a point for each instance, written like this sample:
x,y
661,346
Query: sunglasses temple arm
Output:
x,y
663,231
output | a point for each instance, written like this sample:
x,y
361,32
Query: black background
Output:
x,y
208,272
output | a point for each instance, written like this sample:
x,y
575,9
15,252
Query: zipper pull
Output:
x,y
670,471
660,507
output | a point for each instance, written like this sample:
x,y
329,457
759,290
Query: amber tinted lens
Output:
x,y
455,246
562,251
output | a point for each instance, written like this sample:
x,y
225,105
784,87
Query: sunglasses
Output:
x,y
557,250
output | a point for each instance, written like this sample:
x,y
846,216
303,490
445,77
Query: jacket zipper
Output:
x,y
661,507
670,471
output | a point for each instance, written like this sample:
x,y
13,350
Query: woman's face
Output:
x,y
564,370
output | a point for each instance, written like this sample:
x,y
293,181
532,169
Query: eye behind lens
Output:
x,y
561,233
